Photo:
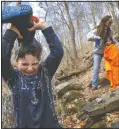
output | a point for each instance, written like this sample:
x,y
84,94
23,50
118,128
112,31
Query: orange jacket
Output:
x,y
111,56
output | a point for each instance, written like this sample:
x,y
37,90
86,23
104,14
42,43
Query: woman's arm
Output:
x,y
92,35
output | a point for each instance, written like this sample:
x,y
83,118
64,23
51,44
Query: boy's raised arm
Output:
x,y
56,50
7,44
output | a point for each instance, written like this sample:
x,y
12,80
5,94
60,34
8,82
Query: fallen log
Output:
x,y
67,76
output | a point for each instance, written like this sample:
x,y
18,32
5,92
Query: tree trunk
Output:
x,y
72,31
93,12
79,35
118,4
86,19
116,24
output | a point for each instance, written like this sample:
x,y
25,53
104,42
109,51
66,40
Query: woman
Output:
x,y
100,34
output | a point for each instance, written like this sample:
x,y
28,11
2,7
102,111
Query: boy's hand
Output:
x,y
17,31
39,24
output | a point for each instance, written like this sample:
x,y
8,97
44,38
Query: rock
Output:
x,y
115,125
71,95
62,88
78,106
65,87
111,102
89,123
57,82
81,103
101,124
80,114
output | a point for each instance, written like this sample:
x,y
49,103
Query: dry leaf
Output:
x,y
82,123
11,117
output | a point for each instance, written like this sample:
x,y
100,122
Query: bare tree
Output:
x,y
118,4
92,9
72,30
116,23
79,16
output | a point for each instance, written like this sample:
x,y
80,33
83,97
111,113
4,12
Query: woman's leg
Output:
x,y
97,58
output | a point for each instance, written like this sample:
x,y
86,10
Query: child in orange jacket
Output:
x,y
111,56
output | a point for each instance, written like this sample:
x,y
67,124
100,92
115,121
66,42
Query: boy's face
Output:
x,y
28,65
108,42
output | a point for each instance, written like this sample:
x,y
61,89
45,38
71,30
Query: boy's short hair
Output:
x,y
32,47
111,39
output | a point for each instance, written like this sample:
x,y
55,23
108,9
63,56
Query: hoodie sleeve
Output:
x,y
8,73
56,50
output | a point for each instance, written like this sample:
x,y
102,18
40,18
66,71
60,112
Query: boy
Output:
x,y
111,56
31,81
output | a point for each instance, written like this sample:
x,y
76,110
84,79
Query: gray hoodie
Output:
x,y
92,35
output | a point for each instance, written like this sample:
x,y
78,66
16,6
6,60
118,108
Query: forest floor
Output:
x,y
84,79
